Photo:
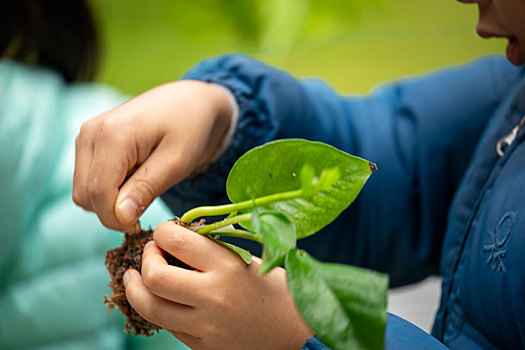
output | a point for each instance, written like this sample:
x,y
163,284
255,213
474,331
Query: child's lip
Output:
x,y
487,31
485,34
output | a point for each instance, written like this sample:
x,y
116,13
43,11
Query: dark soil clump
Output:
x,y
118,260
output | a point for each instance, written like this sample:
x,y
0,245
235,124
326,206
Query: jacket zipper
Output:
x,y
508,139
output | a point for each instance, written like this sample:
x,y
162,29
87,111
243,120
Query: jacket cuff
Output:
x,y
228,136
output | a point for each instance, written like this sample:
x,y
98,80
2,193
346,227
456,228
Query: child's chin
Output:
x,y
515,54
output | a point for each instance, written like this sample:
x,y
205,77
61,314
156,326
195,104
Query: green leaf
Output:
x,y
363,295
278,235
344,305
242,253
276,167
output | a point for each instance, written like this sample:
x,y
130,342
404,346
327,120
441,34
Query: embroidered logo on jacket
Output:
x,y
498,238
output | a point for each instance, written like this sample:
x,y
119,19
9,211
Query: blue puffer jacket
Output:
x,y
52,273
443,200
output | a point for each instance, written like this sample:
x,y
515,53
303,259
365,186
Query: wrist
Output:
x,y
225,113
221,98
233,113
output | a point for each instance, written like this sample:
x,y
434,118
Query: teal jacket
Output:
x,y
52,274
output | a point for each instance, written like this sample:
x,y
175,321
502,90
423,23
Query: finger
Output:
x,y
190,341
193,249
112,158
170,282
159,311
83,157
161,170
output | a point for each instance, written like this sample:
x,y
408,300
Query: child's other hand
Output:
x,y
128,156
223,304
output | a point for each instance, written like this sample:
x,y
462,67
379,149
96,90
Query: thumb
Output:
x,y
133,199
148,182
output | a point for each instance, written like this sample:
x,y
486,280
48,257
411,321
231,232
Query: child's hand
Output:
x,y
223,304
163,135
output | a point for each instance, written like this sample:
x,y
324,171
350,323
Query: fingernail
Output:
x,y
125,278
128,209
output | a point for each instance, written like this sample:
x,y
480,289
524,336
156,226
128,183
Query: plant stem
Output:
x,y
226,222
240,234
195,213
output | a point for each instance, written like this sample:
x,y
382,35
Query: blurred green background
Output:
x,y
352,44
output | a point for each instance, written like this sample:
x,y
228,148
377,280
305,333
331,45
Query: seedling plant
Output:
x,y
287,190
